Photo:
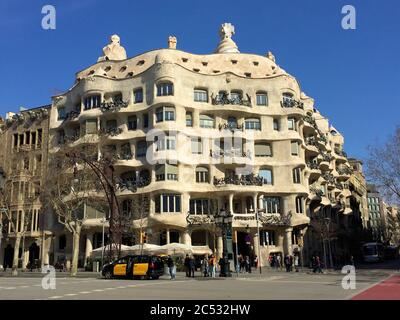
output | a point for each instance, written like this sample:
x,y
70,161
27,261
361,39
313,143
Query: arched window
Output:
x,y
272,204
232,122
92,101
202,175
297,175
252,124
165,89
200,95
261,98
141,148
206,121
138,95
189,119
165,114
299,205
266,174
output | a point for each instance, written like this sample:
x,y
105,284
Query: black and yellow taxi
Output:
x,y
134,266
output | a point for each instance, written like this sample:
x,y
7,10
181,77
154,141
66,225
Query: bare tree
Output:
x,y
383,166
68,189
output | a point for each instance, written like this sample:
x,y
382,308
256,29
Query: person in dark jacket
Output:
x,y
187,265
191,266
171,265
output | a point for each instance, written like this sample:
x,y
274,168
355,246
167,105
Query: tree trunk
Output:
x,y
75,250
16,252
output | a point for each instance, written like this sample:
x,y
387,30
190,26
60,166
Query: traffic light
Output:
x,y
144,237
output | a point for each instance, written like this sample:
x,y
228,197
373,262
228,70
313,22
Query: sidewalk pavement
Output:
x,y
255,272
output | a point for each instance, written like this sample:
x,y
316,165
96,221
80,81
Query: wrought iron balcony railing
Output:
x,y
329,178
132,185
71,116
344,171
231,127
125,156
247,180
113,105
233,153
113,131
313,165
224,99
316,190
292,103
311,141
326,157
308,118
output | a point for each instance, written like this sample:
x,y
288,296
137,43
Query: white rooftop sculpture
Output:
x,y
227,45
114,50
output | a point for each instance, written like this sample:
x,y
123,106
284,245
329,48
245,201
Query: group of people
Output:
x,y
316,264
244,263
209,266
290,262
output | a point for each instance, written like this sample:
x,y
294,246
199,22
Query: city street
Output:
x,y
269,285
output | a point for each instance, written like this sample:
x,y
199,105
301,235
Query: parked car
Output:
x,y
133,266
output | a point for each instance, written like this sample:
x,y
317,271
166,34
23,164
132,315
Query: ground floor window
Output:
x,y
168,203
267,237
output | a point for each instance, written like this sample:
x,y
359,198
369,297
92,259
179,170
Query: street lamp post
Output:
x,y
259,237
103,222
327,222
223,220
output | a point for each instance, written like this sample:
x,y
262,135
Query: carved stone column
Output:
x,y
230,203
186,238
220,246
287,248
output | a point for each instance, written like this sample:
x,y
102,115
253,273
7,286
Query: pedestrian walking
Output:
x,y
212,265
286,261
256,261
204,266
171,267
279,261
296,263
191,266
317,265
187,265
243,265
248,264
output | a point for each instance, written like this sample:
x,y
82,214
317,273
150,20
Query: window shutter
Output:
x,y
91,126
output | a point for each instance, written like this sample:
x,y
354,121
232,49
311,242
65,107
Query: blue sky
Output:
x,y
353,75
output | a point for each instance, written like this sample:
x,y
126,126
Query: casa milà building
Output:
x,y
225,131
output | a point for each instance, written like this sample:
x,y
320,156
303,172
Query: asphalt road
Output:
x,y
269,285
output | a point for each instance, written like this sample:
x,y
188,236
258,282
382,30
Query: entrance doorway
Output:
x,y
34,251
244,247
8,256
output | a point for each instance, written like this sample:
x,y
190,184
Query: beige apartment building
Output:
x,y
201,134
23,161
